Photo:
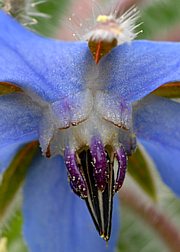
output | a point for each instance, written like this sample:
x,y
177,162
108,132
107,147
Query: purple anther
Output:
x,y
122,166
77,180
99,162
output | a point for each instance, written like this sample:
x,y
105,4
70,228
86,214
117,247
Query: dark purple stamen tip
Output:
x,y
99,162
122,166
93,178
76,178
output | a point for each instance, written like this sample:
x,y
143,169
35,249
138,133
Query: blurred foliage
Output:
x,y
159,17
136,235
140,170
13,233
55,9
14,176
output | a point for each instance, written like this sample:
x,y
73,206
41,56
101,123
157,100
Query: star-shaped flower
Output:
x,y
88,115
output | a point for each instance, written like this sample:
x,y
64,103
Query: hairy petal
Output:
x,y
51,69
134,70
19,119
156,123
59,220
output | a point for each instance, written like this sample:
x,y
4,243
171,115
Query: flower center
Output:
x,y
94,133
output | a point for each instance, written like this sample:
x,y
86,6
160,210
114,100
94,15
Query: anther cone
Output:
x,y
94,178
99,202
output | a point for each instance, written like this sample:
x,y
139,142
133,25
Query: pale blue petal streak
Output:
x,y
19,119
7,154
157,126
54,218
132,71
52,69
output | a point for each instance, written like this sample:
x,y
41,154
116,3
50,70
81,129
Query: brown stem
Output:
x,y
154,217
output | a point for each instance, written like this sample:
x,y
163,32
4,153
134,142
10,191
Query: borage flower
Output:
x,y
89,116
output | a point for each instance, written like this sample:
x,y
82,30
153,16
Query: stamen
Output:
x,y
76,178
122,166
99,162
103,18
93,178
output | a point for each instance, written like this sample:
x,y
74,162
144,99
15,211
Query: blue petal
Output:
x,y
167,161
50,68
6,156
19,119
156,124
134,70
54,69
54,218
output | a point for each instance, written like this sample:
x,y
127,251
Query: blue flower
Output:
x,y
83,112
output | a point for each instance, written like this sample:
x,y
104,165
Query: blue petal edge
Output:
x,y
156,124
134,70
